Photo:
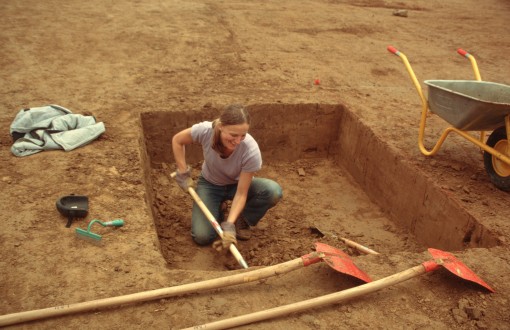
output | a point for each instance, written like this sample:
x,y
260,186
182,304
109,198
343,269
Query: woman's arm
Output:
x,y
179,142
240,197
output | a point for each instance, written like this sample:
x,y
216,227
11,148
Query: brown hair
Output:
x,y
234,114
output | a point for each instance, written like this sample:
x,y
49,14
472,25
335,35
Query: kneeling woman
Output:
x,y
231,159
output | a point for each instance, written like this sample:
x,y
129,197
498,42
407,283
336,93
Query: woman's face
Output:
x,y
232,135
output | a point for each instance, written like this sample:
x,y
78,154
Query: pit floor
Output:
x,y
323,205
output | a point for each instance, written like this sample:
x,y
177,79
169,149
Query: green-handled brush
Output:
x,y
87,234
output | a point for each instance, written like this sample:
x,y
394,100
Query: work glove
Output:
x,y
184,179
229,237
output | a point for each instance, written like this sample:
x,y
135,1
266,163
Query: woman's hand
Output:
x,y
229,237
184,180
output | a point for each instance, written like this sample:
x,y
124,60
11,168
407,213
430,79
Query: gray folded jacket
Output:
x,y
52,127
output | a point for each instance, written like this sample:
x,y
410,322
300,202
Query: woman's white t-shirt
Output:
x,y
222,171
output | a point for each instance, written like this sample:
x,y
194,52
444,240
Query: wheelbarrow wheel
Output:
x,y
499,171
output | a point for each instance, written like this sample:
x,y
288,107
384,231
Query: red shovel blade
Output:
x,y
457,267
341,262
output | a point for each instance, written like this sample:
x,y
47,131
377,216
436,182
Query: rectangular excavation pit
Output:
x,y
339,180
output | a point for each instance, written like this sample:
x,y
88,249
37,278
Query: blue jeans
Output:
x,y
263,194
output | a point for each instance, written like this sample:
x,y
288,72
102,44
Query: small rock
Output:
x,y
481,325
113,171
301,171
463,303
459,315
400,12
473,313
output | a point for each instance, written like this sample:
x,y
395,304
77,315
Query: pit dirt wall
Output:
x,y
411,199
284,132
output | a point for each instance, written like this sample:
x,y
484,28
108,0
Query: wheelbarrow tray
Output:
x,y
469,105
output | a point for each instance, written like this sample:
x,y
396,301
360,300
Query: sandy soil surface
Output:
x,y
123,59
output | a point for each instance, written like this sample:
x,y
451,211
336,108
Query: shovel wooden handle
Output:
x,y
233,249
216,283
358,246
315,302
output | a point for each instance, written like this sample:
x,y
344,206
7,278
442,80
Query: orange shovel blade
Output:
x,y
340,261
455,266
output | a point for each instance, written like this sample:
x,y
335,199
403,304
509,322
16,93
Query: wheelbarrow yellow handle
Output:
x,y
472,59
393,50
462,52
424,110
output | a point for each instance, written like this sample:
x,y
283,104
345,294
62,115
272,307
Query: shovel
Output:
x,y
358,246
441,258
233,249
335,258
347,242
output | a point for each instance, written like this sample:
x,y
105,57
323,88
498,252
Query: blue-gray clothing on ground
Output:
x,y
52,127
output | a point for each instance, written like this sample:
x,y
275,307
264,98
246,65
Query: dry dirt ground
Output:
x,y
123,60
